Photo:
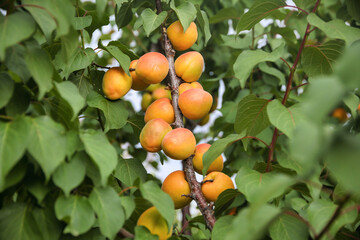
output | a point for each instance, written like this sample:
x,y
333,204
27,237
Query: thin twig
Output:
x,y
286,62
125,233
296,87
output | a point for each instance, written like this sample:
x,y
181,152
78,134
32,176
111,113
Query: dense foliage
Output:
x,y
70,163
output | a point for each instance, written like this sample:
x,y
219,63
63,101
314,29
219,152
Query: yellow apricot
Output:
x,y
195,103
175,185
161,92
179,143
161,108
146,101
181,40
152,134
201,149
186,86
189,66
153,87
220,182
152,67
116,83
155,222
137,83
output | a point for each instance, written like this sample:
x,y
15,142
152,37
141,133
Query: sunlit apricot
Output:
x,y
201,149
220,182
186,86
179,143
195,103
189,66
181,40
161,108
152,67
137,83
116,83
176,186
161,92
155,222
152,134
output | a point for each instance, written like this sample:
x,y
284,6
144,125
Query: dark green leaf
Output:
x,y
288,227
222,227
15,61
124,16
19,101
203,20
353,8
6,88
128,170
224,14
151,20
38,189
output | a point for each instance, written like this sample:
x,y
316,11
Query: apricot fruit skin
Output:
x,y
179,143
189,66
340,114
201,149
212,190
195,103
175,185
161,92
137,83
116,83
186,86
152,134
179,39
152,67
155,222
161,108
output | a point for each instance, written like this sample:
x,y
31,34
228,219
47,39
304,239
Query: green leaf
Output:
x,y
38,189
80,23
353,8
76,211
162,201
123,59
114,111
71,94
124,16
15,61
48,144
14,176
107,206
69,175
288,227
81,60
186,13
15,28
151,20
203,20
335,29
352,102
128,170
222,227
41,69
19,102
217,148
101,152
45,219
100,7
258,11
125,49
224,14
6,88
73,143
128,204
142,233
225,198
272,71
69,45
248,59
319,60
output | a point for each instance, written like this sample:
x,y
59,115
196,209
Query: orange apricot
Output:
x,y
195,103
186,86
179,143
155,222
146,101
218,182
175,185
116,83
161,92
152,134
179,39
161,108
137,83
201,149
189,66
152,67
340,114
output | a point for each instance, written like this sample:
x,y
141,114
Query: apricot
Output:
x,y
204,120
220,182
179,39
152,134
155,222
186,86
152,67
200,150
161,108
153,87
340,114
189,66
137,83
116,83
161,92
214,105
195,103
146,101
175,185
179,143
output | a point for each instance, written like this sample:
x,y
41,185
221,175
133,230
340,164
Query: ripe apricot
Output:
x,y
137,83
116,83
155,222
179,143
181,40
175,185
161,108
152,67
146,101
220,182
189,66
195,103
201,149
340,114
161,92
186,86
152,134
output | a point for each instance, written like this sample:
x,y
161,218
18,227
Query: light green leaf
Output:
x,y
335,29
101,151
71,94
272,71
151,20
142,233
69,175
162,201
69,46
76,211
128,204
100,7
203,20
115,51
248,59
73,143
352,102
41,69
128,170
125,49
222,227
80,23
287,227
236,42
81,60
6,88
38,189
15,28
114,111
186,13
224,14
107,206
